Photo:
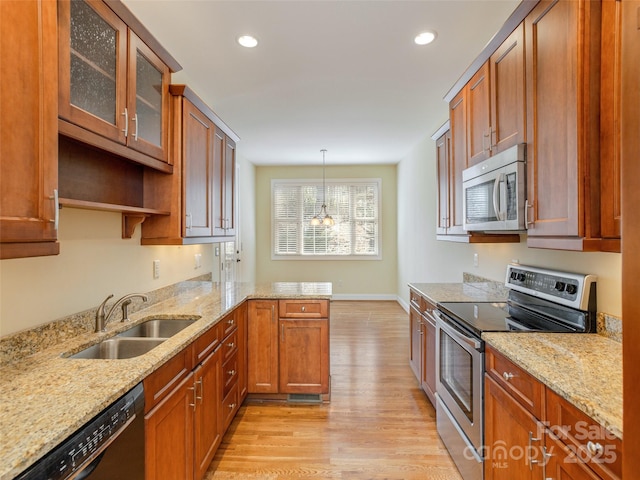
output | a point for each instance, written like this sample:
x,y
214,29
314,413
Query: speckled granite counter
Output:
x,y
584,369
45,398
462,292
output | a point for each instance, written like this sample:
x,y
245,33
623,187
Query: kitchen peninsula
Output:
x,y
76,390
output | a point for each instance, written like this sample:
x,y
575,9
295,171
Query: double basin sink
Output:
x,y
137,340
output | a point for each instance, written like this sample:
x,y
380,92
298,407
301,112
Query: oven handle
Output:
x,y
455,333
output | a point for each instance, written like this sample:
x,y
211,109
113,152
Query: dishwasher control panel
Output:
x,y
87,444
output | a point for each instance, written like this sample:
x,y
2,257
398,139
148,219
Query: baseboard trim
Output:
x,y
402,303
364,296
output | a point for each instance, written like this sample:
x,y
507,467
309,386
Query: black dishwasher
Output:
x,y
109,447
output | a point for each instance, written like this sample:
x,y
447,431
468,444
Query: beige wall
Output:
x,y
422,258
350,278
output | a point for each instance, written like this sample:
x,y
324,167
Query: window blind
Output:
x,y
353,204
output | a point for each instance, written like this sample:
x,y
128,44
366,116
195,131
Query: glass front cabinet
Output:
x,y
111,83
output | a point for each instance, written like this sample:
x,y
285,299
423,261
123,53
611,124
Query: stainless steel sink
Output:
x,y
119,347
158,328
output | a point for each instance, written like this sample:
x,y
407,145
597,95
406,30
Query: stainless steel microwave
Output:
x,y
494,192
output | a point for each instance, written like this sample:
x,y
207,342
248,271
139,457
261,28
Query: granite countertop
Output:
x,y
46,397
462,292
585,369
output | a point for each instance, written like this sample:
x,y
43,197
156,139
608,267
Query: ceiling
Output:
x,y
341,75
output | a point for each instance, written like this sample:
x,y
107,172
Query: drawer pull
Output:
x,y
230,321
303,308
507,376
232,406
231,373
231,344
531,460
594,448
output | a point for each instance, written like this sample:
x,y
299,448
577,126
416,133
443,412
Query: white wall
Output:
x,y
360,279
422,258
246,268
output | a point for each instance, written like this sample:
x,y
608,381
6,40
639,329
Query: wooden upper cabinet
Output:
x,y
563,78
112,85
28,150
198,133
457,162
224,185
508,102
610,121
442,176
477,92
195,193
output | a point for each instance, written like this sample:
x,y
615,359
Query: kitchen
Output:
x,y
96,235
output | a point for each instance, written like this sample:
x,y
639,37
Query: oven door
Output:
x,y
459,371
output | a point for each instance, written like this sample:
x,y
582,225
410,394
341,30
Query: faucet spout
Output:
x,y
102,319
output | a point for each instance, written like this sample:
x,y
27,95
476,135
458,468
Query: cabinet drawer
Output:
x,y
587,439
206,343
230,345
228,324
230,406
528,391
417,300
303,308
230,373
164,380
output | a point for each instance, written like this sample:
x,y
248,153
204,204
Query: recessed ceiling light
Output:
x,y
247,41
425,37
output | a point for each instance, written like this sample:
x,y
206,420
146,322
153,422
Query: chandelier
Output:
x,y
323,218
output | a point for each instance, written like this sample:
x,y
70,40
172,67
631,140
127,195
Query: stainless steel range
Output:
x,y
538,300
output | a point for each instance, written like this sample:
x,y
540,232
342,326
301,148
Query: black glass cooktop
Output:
x,y
481,316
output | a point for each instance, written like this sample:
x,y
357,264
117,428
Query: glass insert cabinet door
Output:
x,y
93,52
111,82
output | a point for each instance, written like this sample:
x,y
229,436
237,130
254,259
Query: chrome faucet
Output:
x,y
102,319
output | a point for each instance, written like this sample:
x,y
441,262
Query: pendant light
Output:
x,y
323,218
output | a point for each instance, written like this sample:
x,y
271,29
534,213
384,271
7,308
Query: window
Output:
x,y
354,206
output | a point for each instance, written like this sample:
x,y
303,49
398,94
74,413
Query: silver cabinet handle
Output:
x,y
594,448
531,460
56,208
189,221
507,376
527,206
282,334
194,396
135,133
125,130
199,382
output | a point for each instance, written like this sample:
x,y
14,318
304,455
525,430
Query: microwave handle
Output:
x,y
496,197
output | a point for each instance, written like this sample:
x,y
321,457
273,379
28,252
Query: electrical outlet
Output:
x,y
156,269
475,260
198,260
217,250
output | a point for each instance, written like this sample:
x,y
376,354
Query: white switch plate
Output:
x,y
156,269
475,260
198,260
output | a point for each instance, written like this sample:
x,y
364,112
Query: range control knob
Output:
x,y
560,286
521,277
571,289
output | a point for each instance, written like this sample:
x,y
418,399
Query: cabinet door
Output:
x,y
28,152
610,120
508,109
415,339
147,100
478,111
197,153
169,435
262,346
513,438
442,175
304,356
457,163
93,68
224,185
208,420
561,97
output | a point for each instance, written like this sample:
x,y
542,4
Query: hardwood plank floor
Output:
x,y
379,424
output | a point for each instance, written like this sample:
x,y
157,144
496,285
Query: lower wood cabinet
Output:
x,y
533,433
191,400
423,343
288,347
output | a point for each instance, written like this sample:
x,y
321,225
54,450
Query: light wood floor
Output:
x,y
379,424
